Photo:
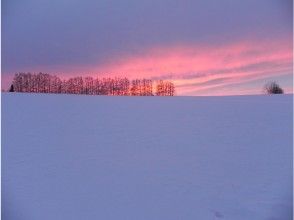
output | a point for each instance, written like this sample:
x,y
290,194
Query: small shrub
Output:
x,y
273,88
11,88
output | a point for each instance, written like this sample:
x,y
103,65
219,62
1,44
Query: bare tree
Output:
x,y
169,89
46,83
11,89
165,88
135,89
88,86
273,88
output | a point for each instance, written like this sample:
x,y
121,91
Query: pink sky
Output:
x,y
227,69
205,47
197,68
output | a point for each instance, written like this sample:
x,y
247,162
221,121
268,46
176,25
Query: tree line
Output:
x,y
46,83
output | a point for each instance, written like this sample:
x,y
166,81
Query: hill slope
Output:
x,y
85,157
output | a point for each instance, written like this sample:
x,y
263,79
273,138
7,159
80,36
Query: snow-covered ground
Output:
x,y
146,158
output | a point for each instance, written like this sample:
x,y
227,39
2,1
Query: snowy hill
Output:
x,y
146,158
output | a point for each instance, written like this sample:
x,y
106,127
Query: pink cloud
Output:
x,y
195,69
200,69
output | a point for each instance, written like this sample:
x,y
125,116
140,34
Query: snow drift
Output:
x,y
95,157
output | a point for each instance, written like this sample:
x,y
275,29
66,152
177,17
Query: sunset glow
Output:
x,y
236,57
195,69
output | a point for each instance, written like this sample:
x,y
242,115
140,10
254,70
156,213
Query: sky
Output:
x,y
207,47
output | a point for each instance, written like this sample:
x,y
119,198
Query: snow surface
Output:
x,y
136,158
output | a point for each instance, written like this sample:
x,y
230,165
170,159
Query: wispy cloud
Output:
x,y
199,68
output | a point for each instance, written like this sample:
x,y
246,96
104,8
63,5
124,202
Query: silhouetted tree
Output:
x,y
11,88
46,83
165,88
147,87
273,88
135,89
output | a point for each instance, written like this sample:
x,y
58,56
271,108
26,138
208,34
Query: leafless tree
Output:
x,y
165,88
273,88
45,83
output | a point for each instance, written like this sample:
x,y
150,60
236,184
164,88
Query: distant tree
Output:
x,y
160,88
124,86
88,86
136,87
11,88
165,88
273,88
169,89
17,82
147,87
46,83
